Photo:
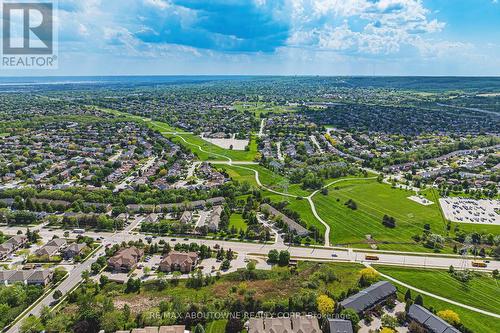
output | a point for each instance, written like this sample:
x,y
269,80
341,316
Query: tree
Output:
x,y
95,267
133,285
225,265
451,317
407,295
419,300
199,329
326,305
31,324
368,276
273,256
57,294
495,273
389,221
350,314
234,325
387,330
284,258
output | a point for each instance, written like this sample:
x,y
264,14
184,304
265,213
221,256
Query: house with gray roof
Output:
x,y
339,326
33,277
40,277
429,320
292,225
4,276
369,297
12,245
51,248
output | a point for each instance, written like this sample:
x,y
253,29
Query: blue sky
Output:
x,y
290,37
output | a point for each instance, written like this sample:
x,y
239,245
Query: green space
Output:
x,y
3,135
373,201
194,142
477,322
259,108
211,151
268,178
237,221
481,291
216,326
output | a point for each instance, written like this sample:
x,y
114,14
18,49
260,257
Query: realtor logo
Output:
x,y
28,35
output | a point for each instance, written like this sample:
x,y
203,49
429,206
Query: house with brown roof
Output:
x,y
179,261
213,220
293,324
51,248
12,245
73,250
40,277
186,217
125,259
161,329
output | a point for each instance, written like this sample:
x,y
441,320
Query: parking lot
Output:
x,y
462,210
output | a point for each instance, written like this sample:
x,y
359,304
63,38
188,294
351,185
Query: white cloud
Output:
x,y
381,27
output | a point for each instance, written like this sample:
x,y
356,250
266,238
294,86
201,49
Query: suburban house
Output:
x,y
73,250
292,225
429,320
151,218
179,261
339,326
161,329
32,277
51,248
125,259
293,324
186,217
12,245
369,297
40,277
213,220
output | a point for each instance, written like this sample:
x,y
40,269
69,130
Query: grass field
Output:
x,y
268,178
259,108
482,291
236,220
373,201
217,326
192,141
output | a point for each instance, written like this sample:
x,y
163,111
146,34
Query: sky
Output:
x,y
276,37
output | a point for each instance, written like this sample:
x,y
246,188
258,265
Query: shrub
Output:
x,y
451,317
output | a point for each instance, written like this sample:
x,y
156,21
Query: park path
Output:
x,y
465,306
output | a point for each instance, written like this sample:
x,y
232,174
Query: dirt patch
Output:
x,y
138,303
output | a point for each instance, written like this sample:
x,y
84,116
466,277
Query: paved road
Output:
x,y
75,276
250,249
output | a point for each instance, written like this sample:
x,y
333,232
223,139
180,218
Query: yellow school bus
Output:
x,y
477,263
371,258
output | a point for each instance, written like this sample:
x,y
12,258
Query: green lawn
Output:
x,y
192,141
3,135
268,178
475,321
482,291
217,326
373,201
237,221
259,108
214,152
